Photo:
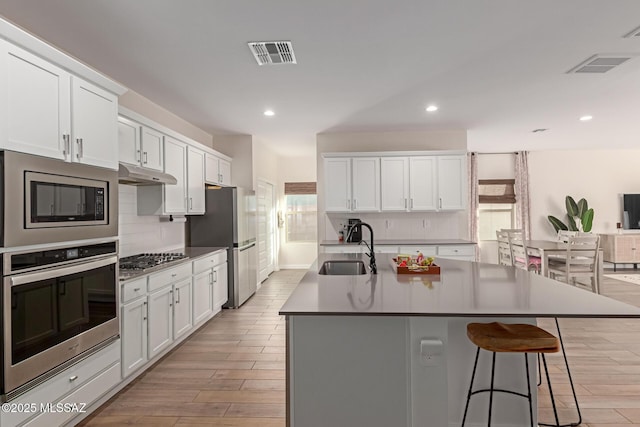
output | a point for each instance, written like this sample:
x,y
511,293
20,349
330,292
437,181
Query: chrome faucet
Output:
x,y
371,254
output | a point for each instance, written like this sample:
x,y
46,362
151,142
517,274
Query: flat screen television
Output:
x,y
631,211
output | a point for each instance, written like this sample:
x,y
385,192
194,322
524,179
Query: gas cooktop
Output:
x,y
143,263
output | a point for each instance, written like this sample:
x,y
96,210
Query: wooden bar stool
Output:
x,y
511,338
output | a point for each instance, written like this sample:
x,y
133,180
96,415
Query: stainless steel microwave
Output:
x,y
51,201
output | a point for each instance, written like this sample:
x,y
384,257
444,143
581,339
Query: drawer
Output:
x,y
413,250
453,250
69,407
386,249
168,276
209,261
133,289
65,382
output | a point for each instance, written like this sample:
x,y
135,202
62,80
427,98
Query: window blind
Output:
x,y
496,191
299,188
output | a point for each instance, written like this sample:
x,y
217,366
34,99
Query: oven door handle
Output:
x,y
51,273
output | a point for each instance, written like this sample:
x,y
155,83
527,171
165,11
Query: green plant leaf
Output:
x,y
557,224
583,207
572,206
587,220
572,224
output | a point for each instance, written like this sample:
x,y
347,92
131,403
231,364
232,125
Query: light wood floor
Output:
x,y
231,372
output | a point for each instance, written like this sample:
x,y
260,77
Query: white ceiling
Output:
x,y
494,67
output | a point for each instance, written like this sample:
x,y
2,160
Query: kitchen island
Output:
x,y
388,350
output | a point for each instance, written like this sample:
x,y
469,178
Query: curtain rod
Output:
x,y
473,153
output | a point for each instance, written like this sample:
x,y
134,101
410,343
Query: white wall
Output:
x,y
144,233
295,169
240,149
600,176
402,225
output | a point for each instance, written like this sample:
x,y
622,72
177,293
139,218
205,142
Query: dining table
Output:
x,y
547,248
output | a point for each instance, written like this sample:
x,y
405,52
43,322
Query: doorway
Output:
x,y
266,228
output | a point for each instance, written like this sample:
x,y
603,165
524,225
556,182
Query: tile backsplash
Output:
x,y
144,233
404,225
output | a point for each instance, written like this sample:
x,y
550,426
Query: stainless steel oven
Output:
x,y
50,201
58,304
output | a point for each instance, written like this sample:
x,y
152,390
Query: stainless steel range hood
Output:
x,y
136,175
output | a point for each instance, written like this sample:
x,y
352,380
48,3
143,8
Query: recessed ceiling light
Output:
x,y
585,118
269,113
431,108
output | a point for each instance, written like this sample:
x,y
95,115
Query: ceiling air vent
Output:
x,y
267,53
600,63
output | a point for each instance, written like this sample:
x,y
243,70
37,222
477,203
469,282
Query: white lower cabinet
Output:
x,y
84,382
160,324
182,319
134,335
220,286
460,252
202,296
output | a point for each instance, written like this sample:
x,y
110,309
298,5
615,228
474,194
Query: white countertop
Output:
x,y
463,289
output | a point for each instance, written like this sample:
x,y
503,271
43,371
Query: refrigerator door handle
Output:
x,y
244,248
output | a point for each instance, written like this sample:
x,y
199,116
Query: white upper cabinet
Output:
x,y
422,178
452,182
48,112
175,196
94,119
394,183
394,173
217,170
140,145
151,149
34,104
128,141
195,181
337,172
366,184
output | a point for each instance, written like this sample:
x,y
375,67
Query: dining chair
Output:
x,y
580,261
521,259
504,249
563,235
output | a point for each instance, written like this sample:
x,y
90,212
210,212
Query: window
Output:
x,y
301,215
496,207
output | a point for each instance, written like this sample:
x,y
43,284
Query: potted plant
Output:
x,y
579,216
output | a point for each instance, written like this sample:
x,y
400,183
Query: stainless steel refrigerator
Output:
x,y
230,220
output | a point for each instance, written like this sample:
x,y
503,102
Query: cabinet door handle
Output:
x,y
65,148
355,203
136,289
177,295
405,203
145,158
73,378
80,148
190,202
138,157
220,178
411,204
348,204
211,278
440,202
215,276
146,311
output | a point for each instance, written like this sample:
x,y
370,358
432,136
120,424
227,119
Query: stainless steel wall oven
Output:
x,y
58,305
50,201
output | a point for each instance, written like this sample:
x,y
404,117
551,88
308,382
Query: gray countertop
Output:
x,y
463,289
401,242
190,252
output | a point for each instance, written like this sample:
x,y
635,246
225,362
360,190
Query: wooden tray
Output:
x,y
432,269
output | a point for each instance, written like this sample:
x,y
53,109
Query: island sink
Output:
x,y
342,268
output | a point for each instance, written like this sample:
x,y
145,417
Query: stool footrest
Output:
x,y
485,390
